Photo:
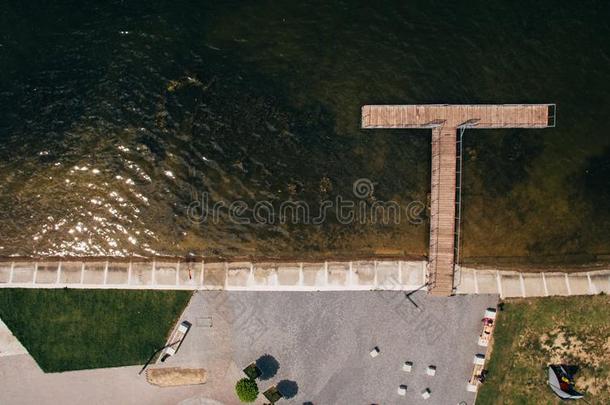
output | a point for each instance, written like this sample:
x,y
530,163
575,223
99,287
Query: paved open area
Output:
x,y
314,345
321,343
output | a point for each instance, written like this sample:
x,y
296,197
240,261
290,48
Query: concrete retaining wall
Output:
x,y
514,284
298,276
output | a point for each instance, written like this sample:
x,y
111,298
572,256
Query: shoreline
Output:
x,y
564,263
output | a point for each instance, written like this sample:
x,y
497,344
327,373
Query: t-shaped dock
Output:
x,y
445,120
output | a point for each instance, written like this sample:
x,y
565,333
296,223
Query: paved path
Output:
x,y
9,345
22,382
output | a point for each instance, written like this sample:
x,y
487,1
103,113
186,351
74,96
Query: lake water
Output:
x,y
143,127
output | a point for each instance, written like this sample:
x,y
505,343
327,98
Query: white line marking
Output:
x,y
58,273
592,289
399,273
10,277
226,275
250,280
476,281
522,282
106,272
546,290
375,279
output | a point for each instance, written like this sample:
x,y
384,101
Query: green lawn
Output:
x,y
531,333
79,329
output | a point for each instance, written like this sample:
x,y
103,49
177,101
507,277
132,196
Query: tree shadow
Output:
x,y
268,366
288,388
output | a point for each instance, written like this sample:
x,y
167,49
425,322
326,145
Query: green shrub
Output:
x,y
246,390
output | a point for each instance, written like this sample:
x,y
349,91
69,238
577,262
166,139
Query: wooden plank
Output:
x,y
490,116
443,211
366,116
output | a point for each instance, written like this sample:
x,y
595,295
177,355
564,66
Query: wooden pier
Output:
x,y
445,120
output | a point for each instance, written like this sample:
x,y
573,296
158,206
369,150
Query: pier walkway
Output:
x,y
445,120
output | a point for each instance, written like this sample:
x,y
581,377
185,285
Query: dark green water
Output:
x,y
115,117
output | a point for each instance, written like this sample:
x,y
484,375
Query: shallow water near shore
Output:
x,y
123,125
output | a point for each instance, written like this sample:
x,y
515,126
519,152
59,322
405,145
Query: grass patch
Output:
x,y
81,329
532,333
